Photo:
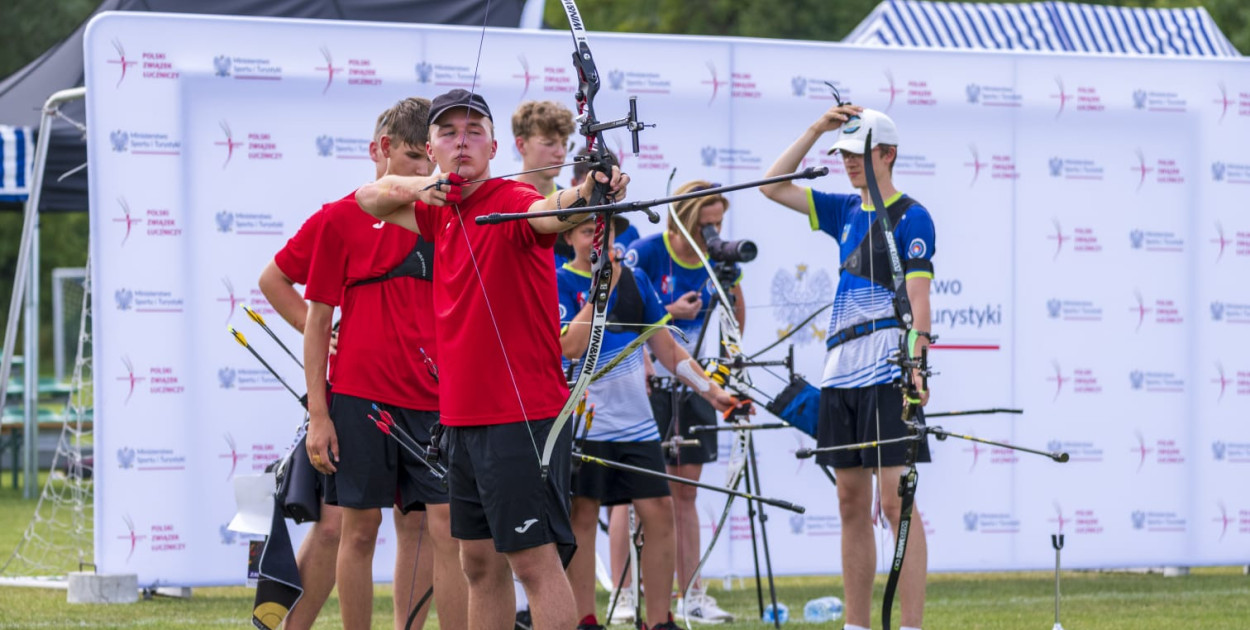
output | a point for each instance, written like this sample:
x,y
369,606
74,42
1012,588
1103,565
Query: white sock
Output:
x,y
908,628
852,627
522,603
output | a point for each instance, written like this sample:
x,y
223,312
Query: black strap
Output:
x,y
419,263
861,330
858,264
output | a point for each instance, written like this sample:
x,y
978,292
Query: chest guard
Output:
x,y
859,264
419,264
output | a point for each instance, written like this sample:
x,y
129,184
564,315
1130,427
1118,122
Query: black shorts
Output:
x,y
693,410
373,470
849,416
611,486
497,489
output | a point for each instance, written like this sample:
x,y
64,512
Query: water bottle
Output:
x,y
823,609
782,614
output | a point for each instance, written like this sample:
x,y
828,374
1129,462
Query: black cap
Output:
x,y
461,98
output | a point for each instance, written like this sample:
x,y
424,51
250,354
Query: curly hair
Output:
x,y
542,118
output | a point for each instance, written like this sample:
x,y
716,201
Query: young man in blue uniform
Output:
x,y
859,401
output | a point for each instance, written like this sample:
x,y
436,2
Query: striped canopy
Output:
x,y
1044,26
17,149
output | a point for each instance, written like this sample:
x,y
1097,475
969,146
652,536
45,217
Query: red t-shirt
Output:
x,y
295,257
384,324
518,286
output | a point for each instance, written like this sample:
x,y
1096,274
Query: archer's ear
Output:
x,y
494,147
384,146
520,145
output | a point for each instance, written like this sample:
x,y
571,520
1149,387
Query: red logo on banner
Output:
x,y
121,61
715,82
329,68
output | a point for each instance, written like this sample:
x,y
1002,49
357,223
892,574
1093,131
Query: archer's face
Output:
x,y
404,159
582,239
854,163
538,151
463,142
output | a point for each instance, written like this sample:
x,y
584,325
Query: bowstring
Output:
x,y
477,270
879,486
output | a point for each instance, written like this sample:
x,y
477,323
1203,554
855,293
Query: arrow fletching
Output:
x,y
238,336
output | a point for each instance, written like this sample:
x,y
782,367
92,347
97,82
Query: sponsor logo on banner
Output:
x,y
1158,522
1078,450
976,164
1159,101
959,319
230,299
445,75
993,455
1156,382
1082,239
1082,521
150,459
246,68
714,81
1165,451
1230,312
525,75
126,218
1231,520
1165,311
639,82
890,90
248,379
137,142
329,68
1230,172
1076,168
148,301
651,156
1085,99
160,222
730,159
1230,452
1158,241
131,380
1239,380
991,523
816,88
152,64
131,538
1077,381
742,85
1166,171
233,455
795,294
165,538
229,143
993,95
1073,310
915,164
814,524
248,223
1239,101
342,148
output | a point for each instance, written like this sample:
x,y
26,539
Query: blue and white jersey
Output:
x,y
653,255
862,362
622,410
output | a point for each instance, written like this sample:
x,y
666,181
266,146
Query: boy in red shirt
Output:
x,y
290,266
494,286
380,278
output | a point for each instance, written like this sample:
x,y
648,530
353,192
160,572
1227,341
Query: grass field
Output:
x,y
1212,598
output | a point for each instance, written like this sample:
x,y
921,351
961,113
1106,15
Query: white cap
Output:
x,y
852,133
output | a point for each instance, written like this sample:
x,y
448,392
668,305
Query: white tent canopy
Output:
x,y
1044,26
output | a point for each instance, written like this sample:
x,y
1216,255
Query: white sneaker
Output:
x,y
624,611
701,607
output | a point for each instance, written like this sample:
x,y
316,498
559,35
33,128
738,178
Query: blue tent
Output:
x,y
1044,26
17,149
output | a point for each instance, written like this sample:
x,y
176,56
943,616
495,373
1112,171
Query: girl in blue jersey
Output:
x,y
858,399
685,290
623,429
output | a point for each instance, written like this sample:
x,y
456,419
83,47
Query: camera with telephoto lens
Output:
x,y
728,251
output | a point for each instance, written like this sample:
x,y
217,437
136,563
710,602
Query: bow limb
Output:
x,y
628,350
902,308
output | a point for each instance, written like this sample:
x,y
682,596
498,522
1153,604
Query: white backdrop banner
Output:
x,y
1091,255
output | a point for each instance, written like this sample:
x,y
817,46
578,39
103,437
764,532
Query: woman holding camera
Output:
x,y
687,293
